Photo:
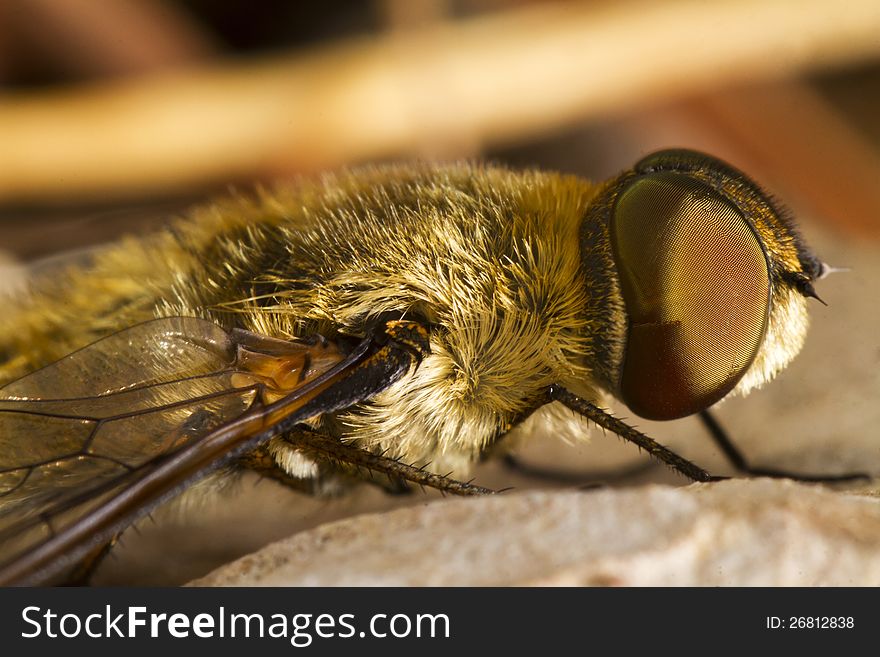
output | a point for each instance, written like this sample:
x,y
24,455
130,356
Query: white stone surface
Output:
x,y
740,532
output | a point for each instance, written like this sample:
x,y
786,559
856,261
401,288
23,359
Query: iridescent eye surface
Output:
x,y
696,286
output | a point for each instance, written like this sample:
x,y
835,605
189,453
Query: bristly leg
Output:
x,y
611,423
261,462
555,475
328,448
738,460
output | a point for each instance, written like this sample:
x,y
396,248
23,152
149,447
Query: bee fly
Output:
x,y
396,320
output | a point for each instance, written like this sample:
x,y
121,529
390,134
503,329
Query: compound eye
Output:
x,y
696,286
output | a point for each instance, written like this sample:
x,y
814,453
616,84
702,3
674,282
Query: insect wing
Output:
x,y
85,429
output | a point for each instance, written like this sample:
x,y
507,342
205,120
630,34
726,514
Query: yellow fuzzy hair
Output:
x,y
488,257
518,288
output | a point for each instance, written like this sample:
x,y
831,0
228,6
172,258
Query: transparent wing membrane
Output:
x,y
82,431
153,352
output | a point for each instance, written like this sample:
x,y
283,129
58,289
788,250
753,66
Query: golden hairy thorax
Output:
x,y
488,258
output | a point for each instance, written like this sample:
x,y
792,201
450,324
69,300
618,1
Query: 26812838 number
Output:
x,y
810,622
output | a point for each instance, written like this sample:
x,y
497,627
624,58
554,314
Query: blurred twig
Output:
x,y
489,79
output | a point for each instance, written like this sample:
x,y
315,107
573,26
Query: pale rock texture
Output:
x,y
733,533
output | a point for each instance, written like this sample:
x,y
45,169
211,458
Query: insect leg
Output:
x,y
738,460
611,423
558,476
327,447
260,461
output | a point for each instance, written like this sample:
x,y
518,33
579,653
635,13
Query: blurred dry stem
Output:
x,y
485,80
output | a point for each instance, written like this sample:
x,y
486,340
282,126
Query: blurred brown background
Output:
x,y
116,114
